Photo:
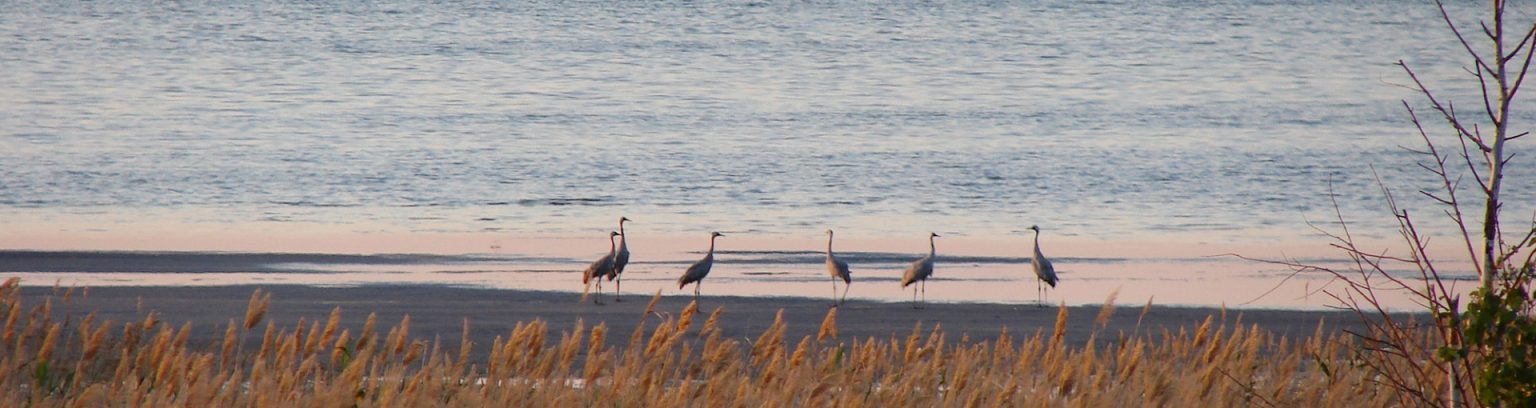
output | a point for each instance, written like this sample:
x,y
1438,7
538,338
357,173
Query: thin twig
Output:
x,y
1247,387
1464,44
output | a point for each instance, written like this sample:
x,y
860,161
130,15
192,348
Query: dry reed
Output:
x,y
1218,363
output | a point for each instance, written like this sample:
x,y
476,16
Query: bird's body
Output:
x,y
599,268
1044,271
620,260
837,269
696,272
920,271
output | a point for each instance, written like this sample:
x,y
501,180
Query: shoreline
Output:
x,y
748,273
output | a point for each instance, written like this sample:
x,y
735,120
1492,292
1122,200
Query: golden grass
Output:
x,y
665,361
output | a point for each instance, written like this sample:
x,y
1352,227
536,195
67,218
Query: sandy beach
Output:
x,y
439,312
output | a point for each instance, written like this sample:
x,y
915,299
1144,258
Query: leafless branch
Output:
x,y
1446,15
1531,256
1525,67
1447,111
1482,85
1297,268
1512,251
1454,205
1466,158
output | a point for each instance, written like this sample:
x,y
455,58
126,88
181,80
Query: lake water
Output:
x,y
1195,123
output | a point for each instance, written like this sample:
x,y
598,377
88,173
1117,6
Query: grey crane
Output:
x,y
599,268
620,260
700,269
920,271
1044,272
837,269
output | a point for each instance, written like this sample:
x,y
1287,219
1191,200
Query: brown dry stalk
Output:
x,y
256,309
651,307
1060,328
1108,310
828,326
48,342
686,318
1215,364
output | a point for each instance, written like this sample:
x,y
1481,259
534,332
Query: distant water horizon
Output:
x,y
249,127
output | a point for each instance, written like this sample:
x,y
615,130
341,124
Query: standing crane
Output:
x,y
696,273
620,260
920,271
599,268
838,270
1044,272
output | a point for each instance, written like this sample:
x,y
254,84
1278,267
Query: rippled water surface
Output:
x,y
1100,120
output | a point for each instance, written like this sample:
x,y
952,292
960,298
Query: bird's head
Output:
x,y
1035,228
622,219
612,234
716,234
933,235
829,231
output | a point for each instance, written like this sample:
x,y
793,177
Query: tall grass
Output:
x,y
666,360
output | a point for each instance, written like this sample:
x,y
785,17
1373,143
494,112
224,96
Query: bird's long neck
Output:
x,y
931,249
611,246
1037,244
829,244
624,238
711,253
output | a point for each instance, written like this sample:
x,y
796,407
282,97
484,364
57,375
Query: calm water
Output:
x,y
1099,120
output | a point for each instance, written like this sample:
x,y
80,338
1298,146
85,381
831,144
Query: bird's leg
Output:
x,y
845,293
925,293
1041,298
914,296
834,292
599,298
618,285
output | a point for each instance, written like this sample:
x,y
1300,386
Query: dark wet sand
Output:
x,y
439,312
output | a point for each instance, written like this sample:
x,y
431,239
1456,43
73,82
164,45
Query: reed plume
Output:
x,y
152,363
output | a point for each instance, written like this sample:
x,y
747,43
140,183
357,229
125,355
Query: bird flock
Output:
x,y
611,266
